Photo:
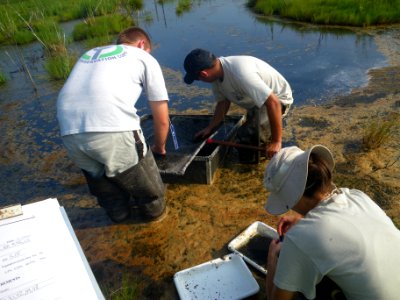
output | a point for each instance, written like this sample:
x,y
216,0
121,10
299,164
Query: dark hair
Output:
x,y
132,34
319,176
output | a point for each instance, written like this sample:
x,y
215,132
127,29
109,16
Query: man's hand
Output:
x,y
204,133
158,152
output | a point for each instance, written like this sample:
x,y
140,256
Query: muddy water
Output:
x,y
201,219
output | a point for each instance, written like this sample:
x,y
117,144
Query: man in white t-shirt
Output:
x,y
340,234
101,129
250,83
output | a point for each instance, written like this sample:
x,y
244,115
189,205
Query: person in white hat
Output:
x,y
338,233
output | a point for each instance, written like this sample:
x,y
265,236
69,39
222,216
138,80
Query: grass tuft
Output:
x,y
3,78
379,132
129,289
59,66
100,26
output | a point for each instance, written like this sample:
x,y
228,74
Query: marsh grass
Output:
x,y
332,12
59,60
379,132
3,78
183,6
18,13
59,66
94,27
129,289
131,7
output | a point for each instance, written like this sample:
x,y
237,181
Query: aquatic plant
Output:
x,y
183,6
332,12
128,289
131,7
100,26
59,66
18,12
3,78
379,132
59,61
99,41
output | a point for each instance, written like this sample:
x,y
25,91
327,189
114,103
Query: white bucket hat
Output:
x,y
286,176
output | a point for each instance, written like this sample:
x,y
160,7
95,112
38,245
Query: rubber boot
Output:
x,y
143,182
109,196
246,135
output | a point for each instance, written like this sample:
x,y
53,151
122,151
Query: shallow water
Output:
x,y
317,63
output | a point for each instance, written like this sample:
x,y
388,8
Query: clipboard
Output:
x,y
41,257
10,211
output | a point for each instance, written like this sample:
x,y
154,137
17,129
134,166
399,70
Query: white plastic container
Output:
x,y
252,244
221,278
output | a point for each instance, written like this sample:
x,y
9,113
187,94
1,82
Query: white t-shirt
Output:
x,y
348,238
249,81
101,92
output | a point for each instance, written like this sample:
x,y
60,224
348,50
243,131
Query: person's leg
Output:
x,y
143,182
110,196
90,152
249,134
135,173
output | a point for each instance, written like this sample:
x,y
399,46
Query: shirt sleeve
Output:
x,y
154,83
255,87
295,271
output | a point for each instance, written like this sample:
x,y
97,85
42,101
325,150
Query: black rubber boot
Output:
x,y
143,182
247,135
109,196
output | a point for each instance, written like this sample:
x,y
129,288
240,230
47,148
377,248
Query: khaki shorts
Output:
x,y
99,153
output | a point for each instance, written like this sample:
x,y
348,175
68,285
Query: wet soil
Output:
x,y
202,219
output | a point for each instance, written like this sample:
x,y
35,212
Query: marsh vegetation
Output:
x,y
332,12
23,22
26,21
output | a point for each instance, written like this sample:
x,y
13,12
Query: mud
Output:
x,y
202,219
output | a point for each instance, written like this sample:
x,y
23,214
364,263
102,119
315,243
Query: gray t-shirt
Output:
x,y
248,82
347,238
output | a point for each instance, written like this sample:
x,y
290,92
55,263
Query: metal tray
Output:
x,y
253,243
222,278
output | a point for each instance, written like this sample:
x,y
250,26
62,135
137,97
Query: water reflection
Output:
x,y
317,62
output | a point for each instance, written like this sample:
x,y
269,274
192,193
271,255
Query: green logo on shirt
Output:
x,y
102,53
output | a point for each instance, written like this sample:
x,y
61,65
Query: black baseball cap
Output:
x,y
197,60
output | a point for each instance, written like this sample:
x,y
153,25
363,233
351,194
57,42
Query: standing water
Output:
x,y
318,63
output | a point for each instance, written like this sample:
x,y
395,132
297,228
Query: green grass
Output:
x,y
17,14
3,78
332,12
100,26
26,21
379,131
59,66
128,289
183,6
